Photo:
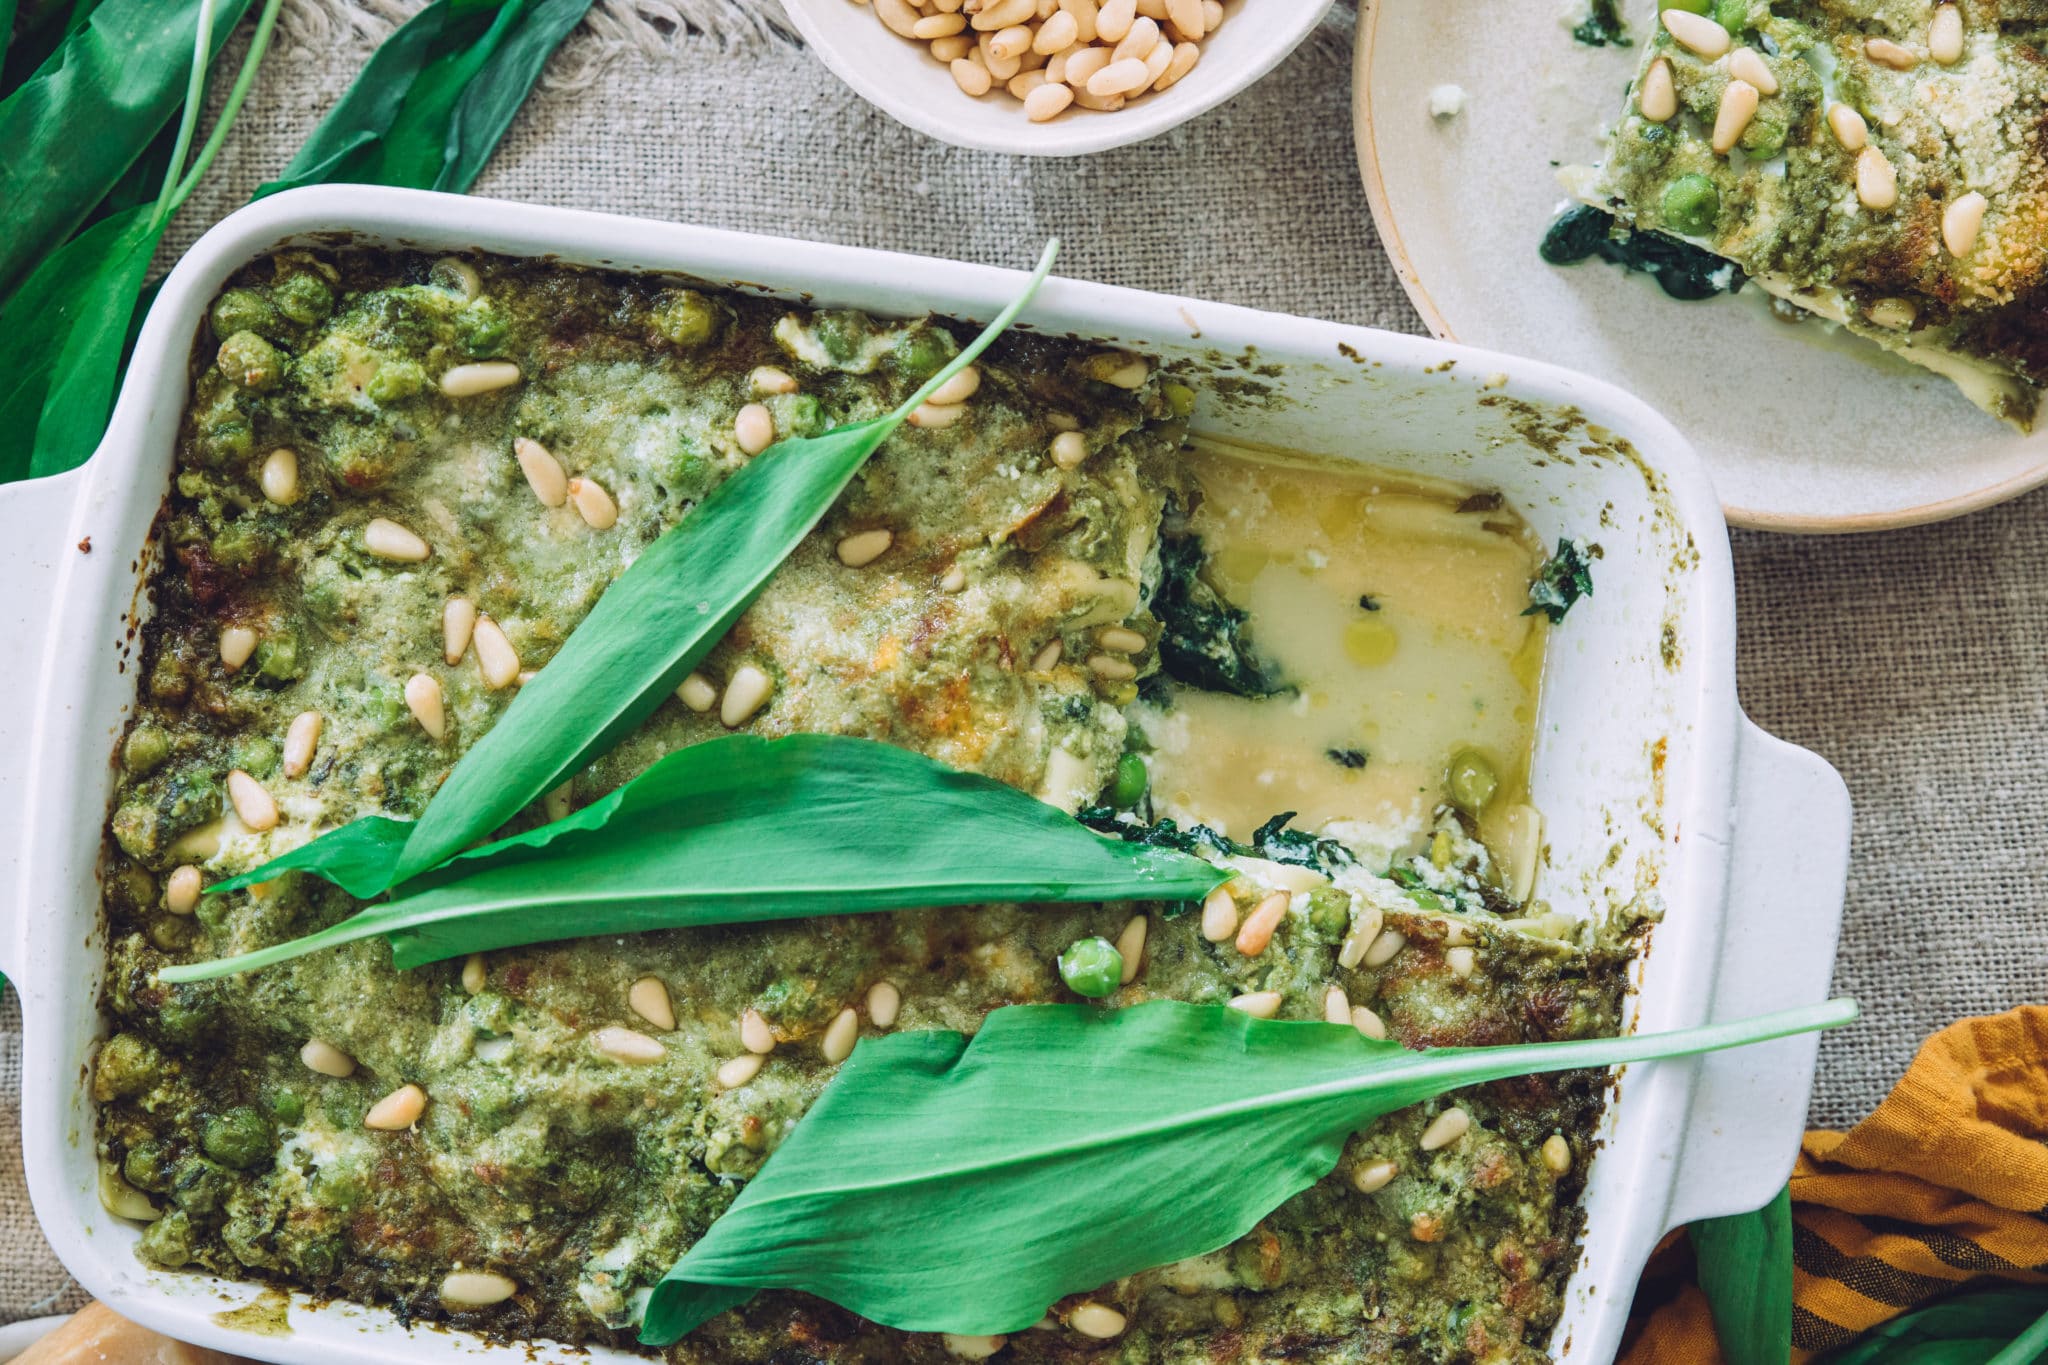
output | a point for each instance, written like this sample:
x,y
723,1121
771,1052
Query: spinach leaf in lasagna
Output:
x,y
1202,641
1562,580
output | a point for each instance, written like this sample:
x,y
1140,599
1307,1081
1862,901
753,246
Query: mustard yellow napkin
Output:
x,y
1943,1186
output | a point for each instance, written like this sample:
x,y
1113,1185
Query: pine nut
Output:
x,y
386,539
1137,44
474,976
593,504
928,28
1003,14
1187,19
495,657
327,1059
1219,916
1114,20
476,1289
1069,449
1130,946
1461,961
397,1111
237,643
1390,941
865,547
1000,68
1336,1006
423,699
1008,43
747,693
1885,52
1696,32
1945,33
1183,60
1156,62
697,693
1212,14
753,426
1258,1004
1097,1320
1084,14
840,1036
1896,314
1745,64
461,272
755,1035
958,389
1155,10
973,79
555,803
1048,101
467,381
1056,34
1048,658
950,50
123,1200
1557,1154
1877,185
1961,220
1731,120
971,1347
1447,1127
279,478
1364,930
1258,928
181,890
1084,64
201,843
1120,640
1117,369
885,1003
1658,97
1368,1022
1848,126
1112,668
1118,78
626,1045
1373,1176
253,805
648,998
954,579
739,1070
544,474
769,378
899,17
935,416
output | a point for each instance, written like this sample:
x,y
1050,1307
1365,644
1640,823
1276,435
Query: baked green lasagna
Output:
x,y
1876,162
396,468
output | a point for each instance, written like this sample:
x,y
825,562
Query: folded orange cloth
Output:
x,y
1943,1186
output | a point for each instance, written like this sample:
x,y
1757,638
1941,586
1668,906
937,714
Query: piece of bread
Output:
x,y
97,1335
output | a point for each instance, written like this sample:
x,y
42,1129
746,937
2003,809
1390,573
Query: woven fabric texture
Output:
x,y
1917,661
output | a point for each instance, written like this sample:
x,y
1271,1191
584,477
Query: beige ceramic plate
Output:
x,y
1802,429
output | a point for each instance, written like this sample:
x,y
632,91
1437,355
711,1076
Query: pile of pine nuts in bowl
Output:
x,y
1050,77
1052,54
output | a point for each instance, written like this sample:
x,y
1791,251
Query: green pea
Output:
x,y
686,318
799,414
242,310
1180,399
1329,911
239,1137
250,362
482,331
921,350
304,298
1092,967
1692,205
169,1241
148,1166
841,332
169,933
277,659
396,379
319,1260
1472,781
284,1105
1131,780
127,1066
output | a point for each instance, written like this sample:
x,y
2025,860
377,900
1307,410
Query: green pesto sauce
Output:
x,y
538,1158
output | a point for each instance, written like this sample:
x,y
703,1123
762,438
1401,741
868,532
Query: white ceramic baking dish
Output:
x,y
1651,780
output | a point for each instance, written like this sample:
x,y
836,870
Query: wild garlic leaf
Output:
x,y
433,101
72,129
1563,579
929,1149
2004,1325
650,628
1745,1270
742,829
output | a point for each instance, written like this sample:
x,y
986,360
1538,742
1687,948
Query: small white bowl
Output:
x,y
901,78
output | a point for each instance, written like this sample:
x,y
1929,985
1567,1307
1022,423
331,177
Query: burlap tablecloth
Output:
x,y
1916,661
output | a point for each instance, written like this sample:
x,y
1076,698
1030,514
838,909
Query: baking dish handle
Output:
x,y
35,522
1788,870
